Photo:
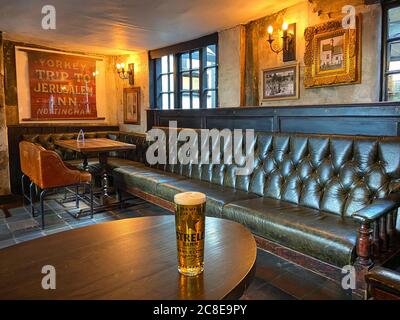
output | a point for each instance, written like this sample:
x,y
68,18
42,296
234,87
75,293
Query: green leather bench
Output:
x,y
321,201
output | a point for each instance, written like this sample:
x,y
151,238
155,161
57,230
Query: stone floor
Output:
x,y
275,279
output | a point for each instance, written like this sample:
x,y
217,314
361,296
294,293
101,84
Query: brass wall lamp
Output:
x,y
126,73
288,48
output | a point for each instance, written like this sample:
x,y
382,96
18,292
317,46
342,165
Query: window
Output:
x,y
189,80
210,79
186,78
165,82
391,42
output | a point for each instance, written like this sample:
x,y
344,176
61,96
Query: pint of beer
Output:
x,y
190,231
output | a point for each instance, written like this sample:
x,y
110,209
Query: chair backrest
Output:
x,y
29,158
45,168
53,173
136,138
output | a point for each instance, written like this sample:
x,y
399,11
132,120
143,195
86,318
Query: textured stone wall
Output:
x,y
4,173
304,16
11,99
140,60
230,55
258,55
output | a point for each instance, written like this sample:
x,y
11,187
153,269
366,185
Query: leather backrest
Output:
x,y
48,142
29,158
45,168
337,174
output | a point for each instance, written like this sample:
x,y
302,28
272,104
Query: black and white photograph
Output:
x,y
281,83
331,53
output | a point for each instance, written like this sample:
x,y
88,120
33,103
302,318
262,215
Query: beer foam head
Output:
x,y
190,198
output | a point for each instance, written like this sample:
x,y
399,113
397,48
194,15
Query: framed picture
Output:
x,y
281,83
333,54
132,105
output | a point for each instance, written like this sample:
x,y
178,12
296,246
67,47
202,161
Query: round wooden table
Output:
x,y
129,259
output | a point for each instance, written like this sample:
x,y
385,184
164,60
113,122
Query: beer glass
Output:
x,y
190,231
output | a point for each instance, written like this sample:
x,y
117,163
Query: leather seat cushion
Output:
x,y
385,279
322,235
144,178
217,196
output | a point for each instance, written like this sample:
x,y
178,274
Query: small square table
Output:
x,y
102,146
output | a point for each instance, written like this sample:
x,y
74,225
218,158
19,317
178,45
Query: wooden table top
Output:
x,y
94,145
129,259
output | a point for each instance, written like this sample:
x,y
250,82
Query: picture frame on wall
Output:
x,y
132,105
281,83
333,54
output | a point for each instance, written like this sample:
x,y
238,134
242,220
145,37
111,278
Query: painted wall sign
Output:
x,y
62,86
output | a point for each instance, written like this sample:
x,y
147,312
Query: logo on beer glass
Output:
x,y
190,232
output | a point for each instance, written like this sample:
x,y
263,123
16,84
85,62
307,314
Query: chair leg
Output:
x,y
31,187
91,200
23,189
42,195
77,196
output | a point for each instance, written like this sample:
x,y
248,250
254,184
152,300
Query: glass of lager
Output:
x,y
190,231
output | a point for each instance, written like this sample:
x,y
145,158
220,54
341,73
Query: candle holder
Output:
x,y
288,47
126,74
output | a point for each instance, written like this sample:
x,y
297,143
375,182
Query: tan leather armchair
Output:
x,y
47,171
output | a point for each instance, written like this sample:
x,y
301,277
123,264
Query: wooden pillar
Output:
x,y
4,171
251,65
363,262
376,240
364,242
383,234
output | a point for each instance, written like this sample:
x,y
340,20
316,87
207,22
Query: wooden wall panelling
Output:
x,y
380,118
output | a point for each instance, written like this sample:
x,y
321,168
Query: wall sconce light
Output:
x,y
126,74
288,48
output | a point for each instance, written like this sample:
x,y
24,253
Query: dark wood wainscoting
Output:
x,y
15,133
376,119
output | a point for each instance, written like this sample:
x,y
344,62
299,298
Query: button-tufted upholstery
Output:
x,y
302,192
335,174
138,139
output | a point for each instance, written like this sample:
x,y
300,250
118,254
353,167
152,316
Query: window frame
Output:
x,y
385,73
159,76
177,51
190,70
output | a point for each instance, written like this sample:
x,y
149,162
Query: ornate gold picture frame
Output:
x,y
333,54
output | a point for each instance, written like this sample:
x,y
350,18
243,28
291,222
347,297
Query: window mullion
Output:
x,y
190,81
201,77
177,75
